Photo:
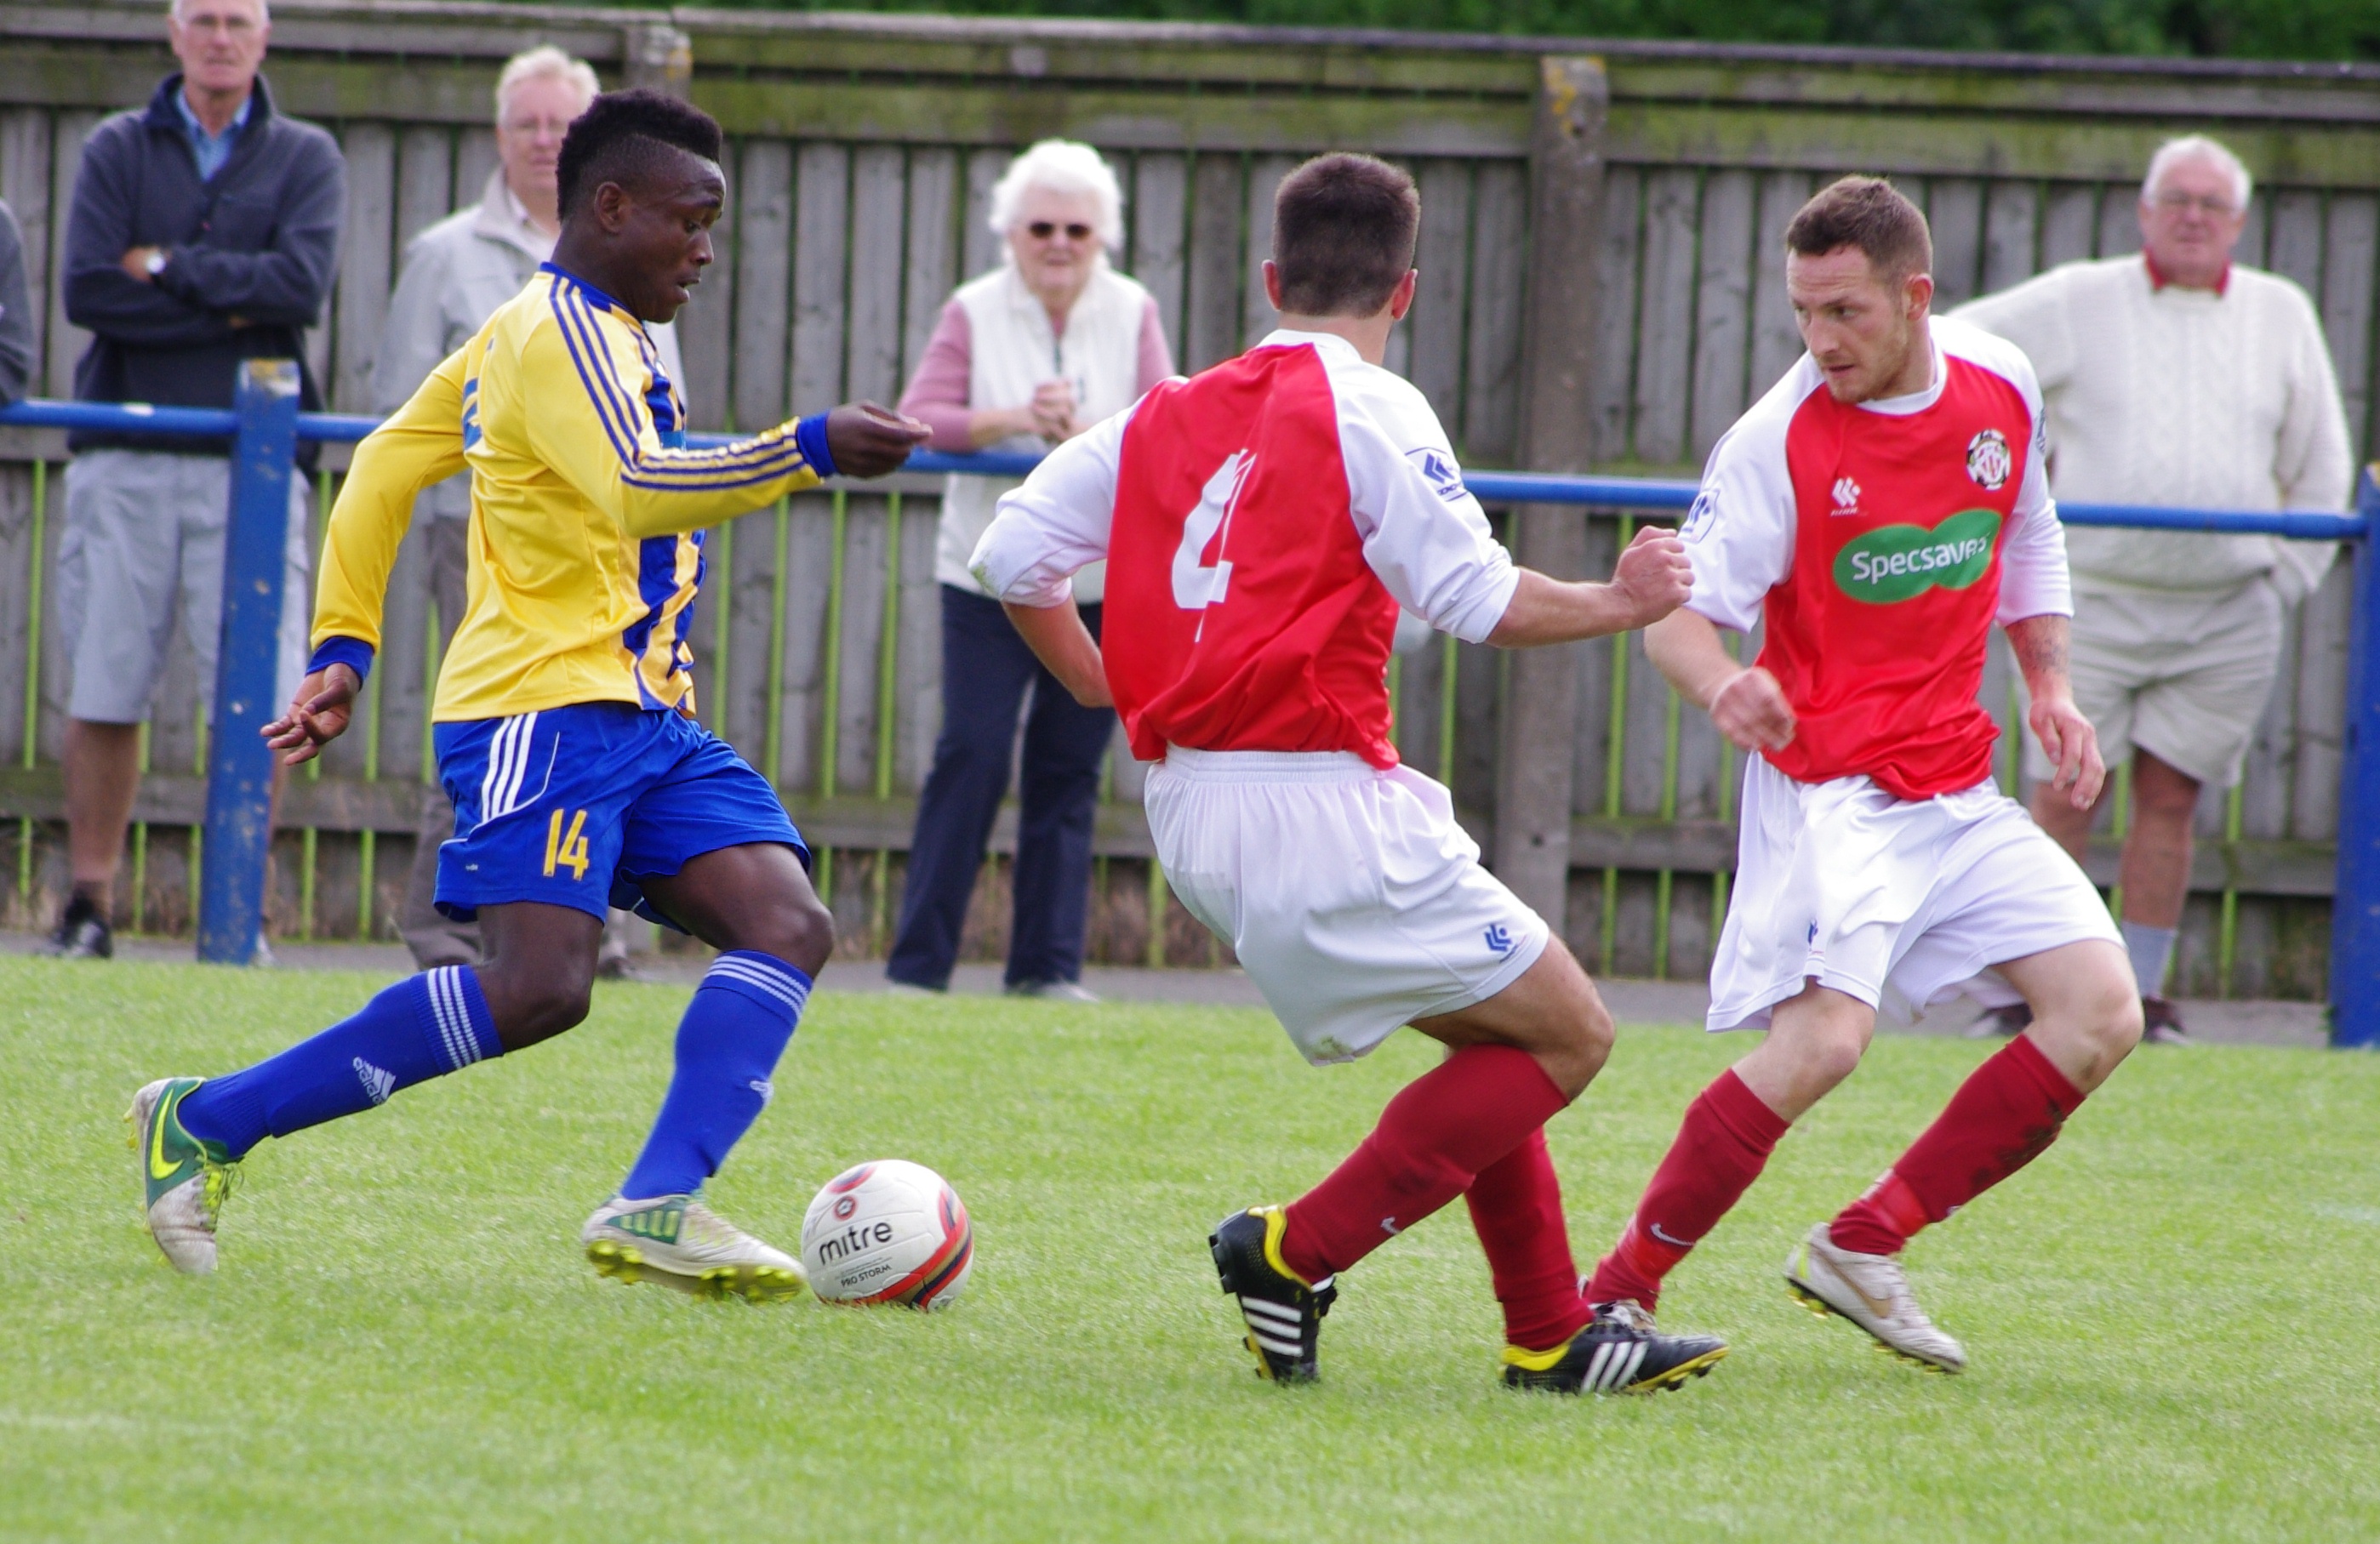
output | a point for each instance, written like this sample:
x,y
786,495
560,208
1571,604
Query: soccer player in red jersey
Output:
x,y
1880,509
1262,523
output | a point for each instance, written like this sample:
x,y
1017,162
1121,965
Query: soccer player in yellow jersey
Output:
x,y
564,720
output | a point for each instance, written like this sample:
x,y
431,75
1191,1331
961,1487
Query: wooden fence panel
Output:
x,y
1619,246
425,189
873,329
2350,235
1159,213
360,300
930,269
866,555
1954,208
1776,340
1212,324
66,341
2069,225
809,553
1491,372
25,164
763,284
2011,235
1442,261
1256,315
1722,307
979,246
1665,326
917,689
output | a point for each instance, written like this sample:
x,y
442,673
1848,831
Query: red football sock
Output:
x,y
1432,1140
2003,1116
1721,1147
1516,1206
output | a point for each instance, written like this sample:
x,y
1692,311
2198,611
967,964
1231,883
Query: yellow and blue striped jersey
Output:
x,y
584,543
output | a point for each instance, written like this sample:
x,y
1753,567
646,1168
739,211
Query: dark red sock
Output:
x,y
1721,1147
1516,1206
2003,1116
1432,1140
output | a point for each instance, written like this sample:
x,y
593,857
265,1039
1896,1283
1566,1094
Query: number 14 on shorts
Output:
x,y
566,848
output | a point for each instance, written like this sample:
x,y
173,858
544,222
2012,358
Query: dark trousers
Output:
x,y
986,669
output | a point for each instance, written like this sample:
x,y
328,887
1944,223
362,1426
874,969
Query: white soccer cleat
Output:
x,y
676,1241
1872,1290
184,1182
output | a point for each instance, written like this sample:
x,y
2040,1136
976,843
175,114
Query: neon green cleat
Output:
x,y
184,1181
678,1242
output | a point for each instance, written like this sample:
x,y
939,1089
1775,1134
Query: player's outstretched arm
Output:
x,y
869,439
419,446
1744,701
1651,580
1058,639
317,715
2066,737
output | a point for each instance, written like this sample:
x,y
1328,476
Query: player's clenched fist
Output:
x,y
868,439
1653,576
1751,710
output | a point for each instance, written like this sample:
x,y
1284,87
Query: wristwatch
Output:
x,y
155,262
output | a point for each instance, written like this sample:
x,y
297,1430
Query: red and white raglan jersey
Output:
x,y
1880,541
1262,522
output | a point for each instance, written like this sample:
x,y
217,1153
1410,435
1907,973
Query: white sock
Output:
x,y
2152,952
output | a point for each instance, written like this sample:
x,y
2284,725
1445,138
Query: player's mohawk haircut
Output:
x,y
1343,235
1868,213
615,141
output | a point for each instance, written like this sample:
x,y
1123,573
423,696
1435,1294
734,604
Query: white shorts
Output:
x,y
1898,902
1354,900
2183,677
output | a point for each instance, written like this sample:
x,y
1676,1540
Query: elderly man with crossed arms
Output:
x,y
2176,377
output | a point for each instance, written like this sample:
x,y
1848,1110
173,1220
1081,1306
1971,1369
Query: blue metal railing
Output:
x,y
264,429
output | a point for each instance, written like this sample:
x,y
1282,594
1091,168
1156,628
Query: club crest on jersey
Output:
x,y
1893,564
1440,473
1988,461
1698,518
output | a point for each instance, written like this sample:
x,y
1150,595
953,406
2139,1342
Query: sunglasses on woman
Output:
x,y
1042,230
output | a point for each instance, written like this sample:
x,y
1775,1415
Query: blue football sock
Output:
x,y
424,1027
727,1046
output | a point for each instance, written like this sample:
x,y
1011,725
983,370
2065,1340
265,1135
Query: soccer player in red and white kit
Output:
x,y
1880,509
1262,523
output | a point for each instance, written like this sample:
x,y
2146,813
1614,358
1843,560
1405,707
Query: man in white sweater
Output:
x,y
2174,377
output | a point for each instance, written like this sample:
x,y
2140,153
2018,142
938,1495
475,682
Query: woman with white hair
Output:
x,y
1031,354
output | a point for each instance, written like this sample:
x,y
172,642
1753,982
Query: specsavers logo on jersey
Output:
x,y
1894,564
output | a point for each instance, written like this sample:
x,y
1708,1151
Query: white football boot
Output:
x,y
184,1182
1872,1290
678,1241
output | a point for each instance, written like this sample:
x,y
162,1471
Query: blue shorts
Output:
x,y
579,805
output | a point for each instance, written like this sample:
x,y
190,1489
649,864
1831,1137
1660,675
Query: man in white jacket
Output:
x,y
455,274
2175,377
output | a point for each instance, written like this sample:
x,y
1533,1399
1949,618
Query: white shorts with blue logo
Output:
x,y
1351,898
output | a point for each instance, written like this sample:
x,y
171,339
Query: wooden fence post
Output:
x,y
656,54
1539,724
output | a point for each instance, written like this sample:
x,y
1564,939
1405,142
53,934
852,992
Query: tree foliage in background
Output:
x,y
2320,29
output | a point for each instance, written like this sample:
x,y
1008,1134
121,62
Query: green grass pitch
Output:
x,y
2170,1316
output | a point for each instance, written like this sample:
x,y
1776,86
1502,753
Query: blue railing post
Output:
x,y
2355,895
239,767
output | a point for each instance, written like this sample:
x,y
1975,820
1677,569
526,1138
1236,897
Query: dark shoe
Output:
x,y
2161,1023
1619,1352
83,932
1284,1314
1999,1023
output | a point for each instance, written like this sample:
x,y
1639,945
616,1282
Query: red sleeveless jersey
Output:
x,y
1898,518
1242,613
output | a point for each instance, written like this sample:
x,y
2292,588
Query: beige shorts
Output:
x,y
2181,676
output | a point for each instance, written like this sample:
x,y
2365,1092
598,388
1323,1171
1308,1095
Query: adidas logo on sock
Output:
x,y
379,1082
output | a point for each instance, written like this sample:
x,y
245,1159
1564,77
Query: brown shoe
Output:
x,y
2161,1023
